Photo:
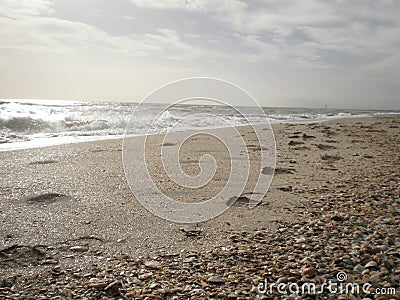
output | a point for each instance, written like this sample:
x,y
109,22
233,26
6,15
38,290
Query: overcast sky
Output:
x,y
286,53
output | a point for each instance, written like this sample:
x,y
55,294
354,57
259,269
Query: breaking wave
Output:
x,y
46,120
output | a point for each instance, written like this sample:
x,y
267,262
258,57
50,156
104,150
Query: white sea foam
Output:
x,y
35,123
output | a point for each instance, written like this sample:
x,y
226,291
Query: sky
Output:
x,y
339,53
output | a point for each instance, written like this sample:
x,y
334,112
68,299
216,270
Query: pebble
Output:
x,y
152,264
113,285
216,280
308,272
191,231
375,278
285,188
359,268
371,264
97,285
79,248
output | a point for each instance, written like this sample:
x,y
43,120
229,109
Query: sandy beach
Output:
x,y
71,227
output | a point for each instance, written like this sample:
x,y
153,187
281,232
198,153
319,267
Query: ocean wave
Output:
x,y
24,125
25,120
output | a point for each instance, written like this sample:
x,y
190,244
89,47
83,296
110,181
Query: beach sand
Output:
x,y
71,227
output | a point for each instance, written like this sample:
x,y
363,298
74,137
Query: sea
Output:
x,y
26,123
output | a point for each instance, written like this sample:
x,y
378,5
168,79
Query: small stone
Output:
x,y
97,285
137,281
371,264
358,268
216,280
383,247
132,294
79,248
191,231
113,285
286,188
308,272
189,259
375,278
300,240
337,219
152,264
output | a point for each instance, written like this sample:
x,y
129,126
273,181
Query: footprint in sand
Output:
x,y
46,198
325,147
43,162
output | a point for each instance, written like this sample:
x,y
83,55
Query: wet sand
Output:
x,y
70,221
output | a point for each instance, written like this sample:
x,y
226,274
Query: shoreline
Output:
x,y
46,142
333,206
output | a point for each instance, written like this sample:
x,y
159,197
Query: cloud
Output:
x,y
312,33
44,35
21,8
322,33
30,26
128,18
193,5
317,31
